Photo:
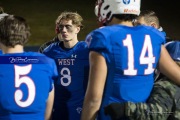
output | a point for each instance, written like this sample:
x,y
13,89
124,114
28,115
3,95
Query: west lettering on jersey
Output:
x,y
66,61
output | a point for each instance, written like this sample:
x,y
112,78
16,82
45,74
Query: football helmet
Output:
x,y
104,9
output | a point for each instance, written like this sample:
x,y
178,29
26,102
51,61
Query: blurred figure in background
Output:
x,y
150,18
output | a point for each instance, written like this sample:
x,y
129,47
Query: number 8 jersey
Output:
x,y
73,68
131,54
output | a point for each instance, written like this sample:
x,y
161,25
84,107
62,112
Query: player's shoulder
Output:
x,y
30,53
41,56
82,44
108,31
98,38
46,62
105,30
51,47
152,30
46,44
98,34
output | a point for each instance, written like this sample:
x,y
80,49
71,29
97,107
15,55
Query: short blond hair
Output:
x,y
74,16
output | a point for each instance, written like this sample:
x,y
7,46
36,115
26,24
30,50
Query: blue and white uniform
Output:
x,y
73,69
26,79
131,54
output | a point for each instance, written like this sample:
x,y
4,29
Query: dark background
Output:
x,y
169,15
41,15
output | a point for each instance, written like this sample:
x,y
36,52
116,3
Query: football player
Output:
x,y
123,58
72,60
26,78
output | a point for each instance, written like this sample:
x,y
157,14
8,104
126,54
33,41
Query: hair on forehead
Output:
x,y
74,16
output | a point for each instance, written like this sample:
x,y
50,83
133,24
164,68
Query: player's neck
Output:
x,y
117,21
15,49
70,44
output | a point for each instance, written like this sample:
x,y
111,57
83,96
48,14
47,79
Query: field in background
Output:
x,y
41,16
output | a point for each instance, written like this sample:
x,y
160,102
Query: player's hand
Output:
x,y
115,110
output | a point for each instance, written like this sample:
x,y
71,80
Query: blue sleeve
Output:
x,y
162,35
53,72
48,50
97,42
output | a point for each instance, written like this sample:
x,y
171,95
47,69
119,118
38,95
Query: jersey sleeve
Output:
x,y
53,72
97,42
49,49
162,35
46,44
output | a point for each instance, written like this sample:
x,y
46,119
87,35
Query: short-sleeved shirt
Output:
x,y
73,69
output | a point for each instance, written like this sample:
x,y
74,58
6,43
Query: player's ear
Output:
x,y
78,29
153,24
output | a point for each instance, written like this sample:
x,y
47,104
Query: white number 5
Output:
x,y
21,78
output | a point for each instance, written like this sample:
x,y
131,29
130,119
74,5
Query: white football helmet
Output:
x,y
104,9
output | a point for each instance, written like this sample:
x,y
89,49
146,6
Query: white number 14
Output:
x,y
149,60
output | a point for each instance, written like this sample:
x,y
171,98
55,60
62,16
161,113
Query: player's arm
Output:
x,y
158,106
49,105
168,67
94,93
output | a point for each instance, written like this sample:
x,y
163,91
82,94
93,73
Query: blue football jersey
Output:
x,y
73,69
0,51
131,54
25,82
